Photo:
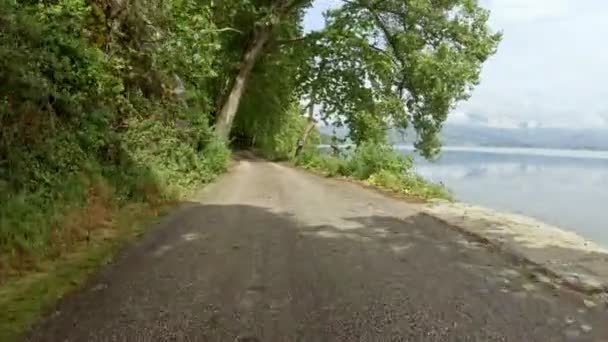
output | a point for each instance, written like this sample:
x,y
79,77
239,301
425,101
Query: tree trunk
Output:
x,y
229,108
309,127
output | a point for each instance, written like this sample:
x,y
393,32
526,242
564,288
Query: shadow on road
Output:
x,y
246,273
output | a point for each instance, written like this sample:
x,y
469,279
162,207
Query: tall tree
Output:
x,y
400,63
265,19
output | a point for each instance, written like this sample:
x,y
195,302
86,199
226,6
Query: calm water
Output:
x,y
564,188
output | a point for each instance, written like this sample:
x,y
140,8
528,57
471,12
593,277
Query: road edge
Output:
x,y
583,280
585,283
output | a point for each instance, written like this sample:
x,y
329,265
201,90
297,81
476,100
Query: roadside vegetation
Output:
x,y
375,164
101,129
112,111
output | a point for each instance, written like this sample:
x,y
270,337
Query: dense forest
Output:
x,y
106,104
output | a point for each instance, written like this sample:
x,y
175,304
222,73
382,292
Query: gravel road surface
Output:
x,y
270,253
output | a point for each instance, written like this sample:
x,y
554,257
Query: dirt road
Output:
x,y
269,253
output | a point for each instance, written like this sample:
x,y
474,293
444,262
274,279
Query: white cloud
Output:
x,y
550,67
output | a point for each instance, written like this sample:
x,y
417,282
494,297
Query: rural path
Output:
x,y
271,253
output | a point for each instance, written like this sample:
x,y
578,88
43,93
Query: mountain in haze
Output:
x,y
530,137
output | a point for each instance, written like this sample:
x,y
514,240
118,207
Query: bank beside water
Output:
x,y
527,203
547,206
565,188
564,256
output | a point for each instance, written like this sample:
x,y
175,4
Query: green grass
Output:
x,y
87,150
25,298
53,238
29,289
409,184
377,165
150,161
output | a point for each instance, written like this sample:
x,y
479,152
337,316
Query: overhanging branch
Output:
x,y
225,29
293,40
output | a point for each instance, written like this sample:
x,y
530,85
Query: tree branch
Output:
x,y
294,40
225,29
388,36
374,47
290,5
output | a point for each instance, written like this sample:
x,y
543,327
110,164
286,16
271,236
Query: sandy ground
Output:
x,y
270,253
577,262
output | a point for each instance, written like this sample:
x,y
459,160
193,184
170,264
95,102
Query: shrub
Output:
x,y
380,165
79,108
311,158
370,158
409,184
155,161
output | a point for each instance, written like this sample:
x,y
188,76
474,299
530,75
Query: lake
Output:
x,y
562,187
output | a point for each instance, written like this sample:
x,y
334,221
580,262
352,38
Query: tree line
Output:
x,y
142,95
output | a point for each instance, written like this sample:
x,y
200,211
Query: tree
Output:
x,y
264,20
377,64
382,63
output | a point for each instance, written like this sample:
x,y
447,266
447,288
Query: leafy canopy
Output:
x,y
399,63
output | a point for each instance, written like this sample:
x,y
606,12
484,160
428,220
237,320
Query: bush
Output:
x,y
277,141
82,111
370,158
379,165
409,184
312,159
179,157
153,161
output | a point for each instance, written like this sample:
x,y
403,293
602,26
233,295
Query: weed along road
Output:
x,y
271,253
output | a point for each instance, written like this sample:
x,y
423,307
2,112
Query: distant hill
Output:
x,y
538,137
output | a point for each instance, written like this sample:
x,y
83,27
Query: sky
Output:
x,y
551,68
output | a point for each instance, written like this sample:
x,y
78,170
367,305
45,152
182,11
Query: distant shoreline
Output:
x,y
529,151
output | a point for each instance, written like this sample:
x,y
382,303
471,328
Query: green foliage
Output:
x,y
397,63
91,100
367,127
369,158
26,298
160,162
377,164
179,157
409,184
127,91
107,104
279,142
331,166
270,118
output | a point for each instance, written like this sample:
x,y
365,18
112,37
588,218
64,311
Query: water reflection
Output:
x,y
566,190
